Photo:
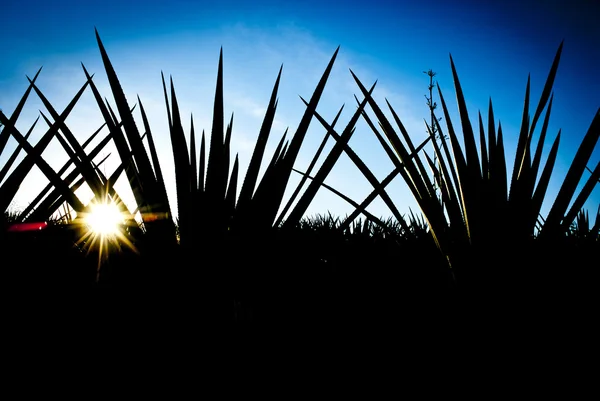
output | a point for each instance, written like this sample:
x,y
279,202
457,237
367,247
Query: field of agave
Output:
x,y
478,242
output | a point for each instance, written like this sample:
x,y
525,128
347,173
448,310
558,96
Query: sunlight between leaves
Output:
x,y
104,229
105,219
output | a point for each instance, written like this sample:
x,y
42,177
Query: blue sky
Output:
x,y
495,45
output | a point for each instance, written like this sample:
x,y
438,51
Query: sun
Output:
x,y
104,219
104,229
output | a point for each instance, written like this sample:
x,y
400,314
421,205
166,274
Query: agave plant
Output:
x,y
478,212
231,247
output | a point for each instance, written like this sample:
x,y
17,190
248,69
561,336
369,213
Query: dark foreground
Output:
x,y
313,288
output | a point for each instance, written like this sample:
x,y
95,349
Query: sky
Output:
x,y
495,45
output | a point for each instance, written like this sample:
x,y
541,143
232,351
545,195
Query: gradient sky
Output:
x,y
495,45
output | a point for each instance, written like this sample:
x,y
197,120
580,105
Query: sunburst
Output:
x,y
104,229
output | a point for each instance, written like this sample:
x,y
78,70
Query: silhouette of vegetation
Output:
x,y
479,216
251,257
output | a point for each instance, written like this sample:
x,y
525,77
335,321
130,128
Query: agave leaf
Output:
x,y
459,163
340,146
565,194
540,190
182,164
15,154
193,166
276,158
216,173
491,143
452,207
448,175
34,154
380,138
160,182
121,146
101,193
146,175
80,158
109,186
113,115
411,148
42,207
275,190
399,165
45,214
450,198
500,172
522,142
414,152
581,198
227,147
251,177
487,210
484,156
10,187
64,168
202,164
312,164
231,190
347,199
471,188
547,87
468,135
460,170
311,108
109,191
538,152
67,148
370,198
283,152
252,216
5,133
410,174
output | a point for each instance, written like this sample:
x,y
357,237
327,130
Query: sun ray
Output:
x,y
104,230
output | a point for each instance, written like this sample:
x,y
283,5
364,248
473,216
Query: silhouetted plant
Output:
x,y
245,257
478,213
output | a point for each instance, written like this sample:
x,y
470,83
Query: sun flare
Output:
x,y
105,229
104,219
